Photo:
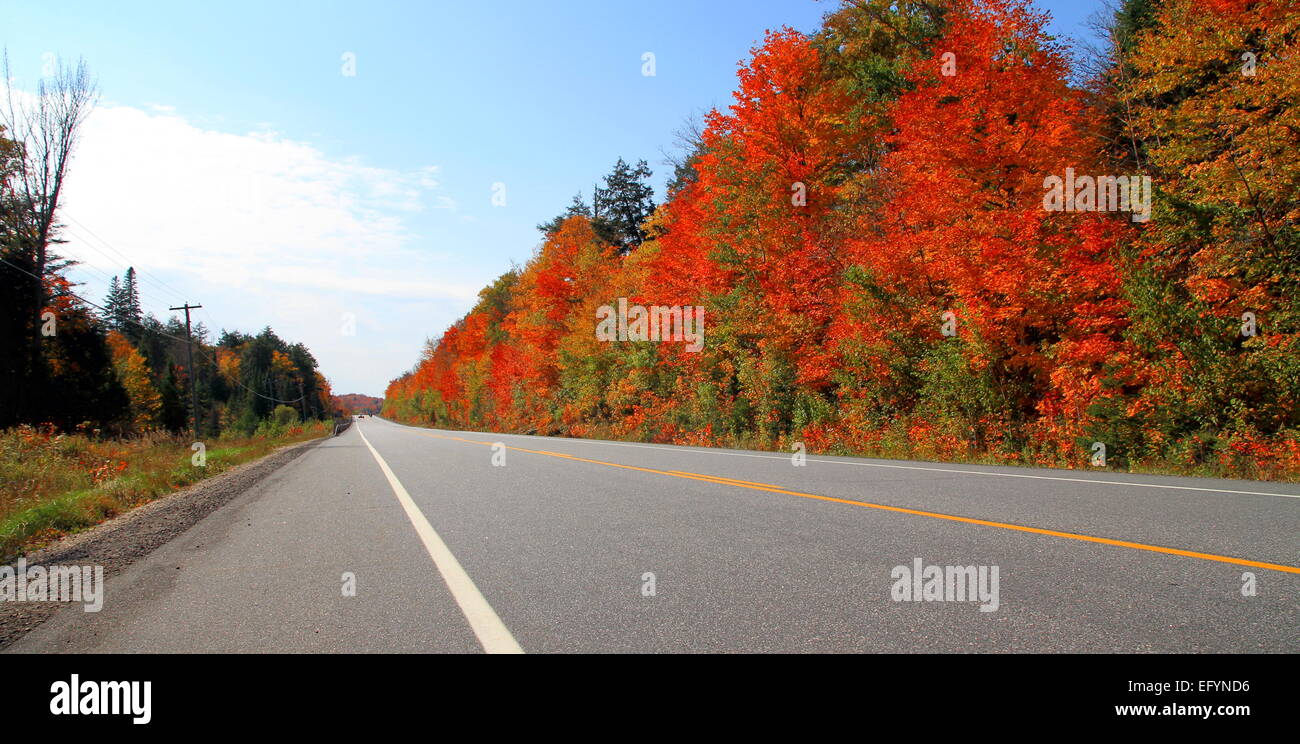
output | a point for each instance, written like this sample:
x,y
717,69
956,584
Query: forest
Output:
x,y
931,230
106,368
103,406
111,369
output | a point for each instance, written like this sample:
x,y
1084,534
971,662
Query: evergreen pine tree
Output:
x,y
113,305
578,208
623,204
130,307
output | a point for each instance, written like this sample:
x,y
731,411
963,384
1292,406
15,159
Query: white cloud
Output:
x,y
264,230
241,209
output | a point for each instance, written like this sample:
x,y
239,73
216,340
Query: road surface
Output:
x,y
566,545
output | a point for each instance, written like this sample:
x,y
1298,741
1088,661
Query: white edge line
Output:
x,y
492,634
674,448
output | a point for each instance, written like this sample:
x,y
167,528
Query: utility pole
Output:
x,y
189,345
302,402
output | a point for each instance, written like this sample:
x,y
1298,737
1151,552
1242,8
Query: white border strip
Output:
x,y
492,634
708,451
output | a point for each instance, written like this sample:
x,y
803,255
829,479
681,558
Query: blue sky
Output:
x,y
233,160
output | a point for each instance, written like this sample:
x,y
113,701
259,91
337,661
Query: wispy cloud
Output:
x,y
267,230
242,209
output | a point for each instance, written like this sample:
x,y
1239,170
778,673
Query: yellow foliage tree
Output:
x,y
133,373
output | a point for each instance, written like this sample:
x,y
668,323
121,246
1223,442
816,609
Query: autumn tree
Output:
x,y
577,208
44,129
868,229
133,374
1209,105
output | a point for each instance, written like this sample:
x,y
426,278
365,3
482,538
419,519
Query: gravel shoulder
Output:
x,y
121,541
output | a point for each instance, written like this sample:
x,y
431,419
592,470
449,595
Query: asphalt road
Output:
x,y
551,552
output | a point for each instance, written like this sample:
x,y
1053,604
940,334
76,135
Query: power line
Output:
x,y
146,298
85,266
95,305
189,349
129,264
160,283
78,263
101,275
146,328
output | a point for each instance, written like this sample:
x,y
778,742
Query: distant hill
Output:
x,y
358,403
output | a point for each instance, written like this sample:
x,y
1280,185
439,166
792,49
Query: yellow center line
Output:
x,y
720,480
734,481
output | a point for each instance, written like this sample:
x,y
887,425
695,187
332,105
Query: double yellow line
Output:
x,y
901,510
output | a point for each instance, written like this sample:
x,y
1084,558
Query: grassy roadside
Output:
x,y
53,484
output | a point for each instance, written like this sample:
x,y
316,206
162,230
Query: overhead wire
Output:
x,y
129,263
105,310
142,272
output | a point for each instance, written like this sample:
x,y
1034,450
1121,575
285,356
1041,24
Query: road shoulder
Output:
x,y
125,539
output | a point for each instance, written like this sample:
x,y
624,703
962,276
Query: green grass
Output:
x,y
53,484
